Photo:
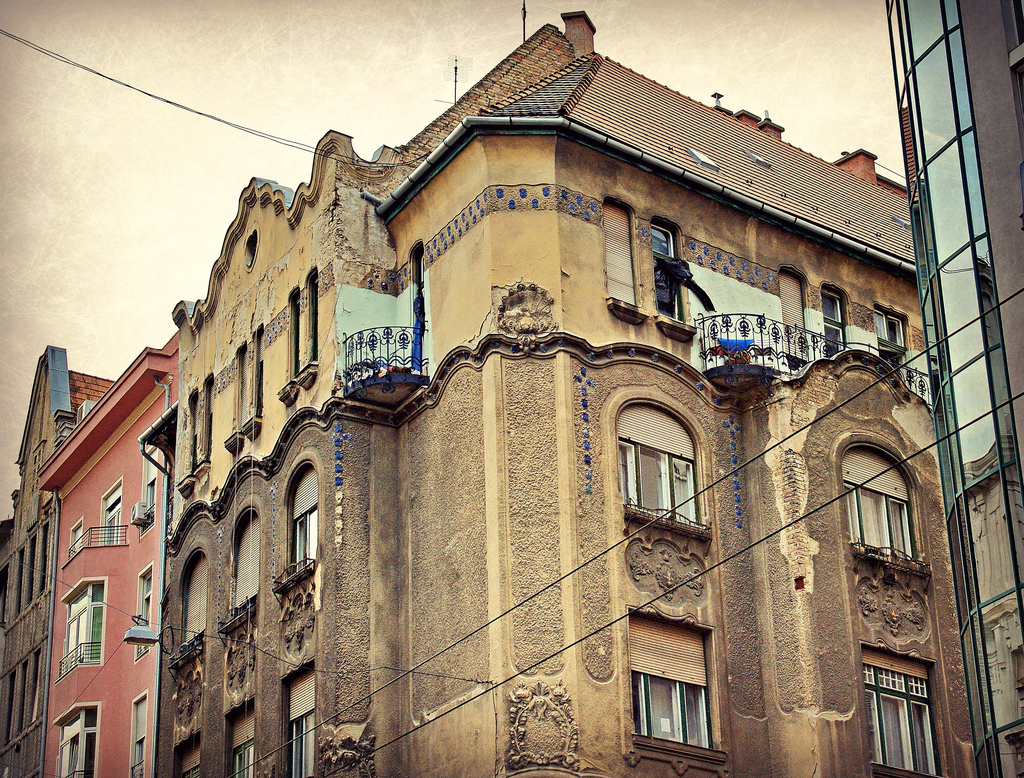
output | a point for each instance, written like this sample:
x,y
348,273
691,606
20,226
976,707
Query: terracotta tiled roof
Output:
x,y
619,102
86,387
543,53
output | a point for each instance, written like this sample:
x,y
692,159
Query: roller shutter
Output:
x,y
244,729
898,664
195,605
791,294
190,757
247,569
306,495
617,253
650,427
860,464
667,651
302,695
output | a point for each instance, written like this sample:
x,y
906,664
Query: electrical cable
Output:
x,y
298,145
629,536
692,578
728,475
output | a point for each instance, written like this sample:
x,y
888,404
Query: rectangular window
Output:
x,y
11,732
3,595
22,694
44,548
193,420
84,640
293,307
832,312
899,712
208,418
657,481
241,366
301,704
314,324
30,573
666,284
145,606
77,757
879,520
112,508
76,541
190,767
618,254
669,679
19,603
243,745
257,342
149,481
139,738
35,698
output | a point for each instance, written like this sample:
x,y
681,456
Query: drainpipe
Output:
x,y
159,658
44,675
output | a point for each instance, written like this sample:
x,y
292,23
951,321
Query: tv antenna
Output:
x,y
524,21
451,73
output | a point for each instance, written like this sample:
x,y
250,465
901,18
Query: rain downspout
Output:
x,y
43,677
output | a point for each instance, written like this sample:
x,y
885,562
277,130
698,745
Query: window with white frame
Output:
x,y
889,329
899,712
243,745
301,746
139,738
656,463
832,314
304,517
112,508
669,680
667,288
877,506
145,606
83,642
77,755
149,480
76,542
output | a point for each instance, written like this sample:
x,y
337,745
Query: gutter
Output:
x,y
470,124
44,677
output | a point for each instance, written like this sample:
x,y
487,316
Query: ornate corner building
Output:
x,y
582,435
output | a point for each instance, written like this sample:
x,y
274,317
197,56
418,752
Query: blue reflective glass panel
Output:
x,y
945,194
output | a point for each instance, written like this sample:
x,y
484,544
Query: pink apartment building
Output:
x,y
112,503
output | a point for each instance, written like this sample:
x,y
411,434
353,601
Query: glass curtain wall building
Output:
x,y
954,214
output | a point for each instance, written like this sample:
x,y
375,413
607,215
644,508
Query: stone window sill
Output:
x,y
626,312
681,756
251,429
289,394
675,329
884,771
234,442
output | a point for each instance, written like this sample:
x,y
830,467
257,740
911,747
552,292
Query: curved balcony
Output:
x,y
384,365
739,350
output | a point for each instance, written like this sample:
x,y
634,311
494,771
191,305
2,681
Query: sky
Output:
x,y
116,205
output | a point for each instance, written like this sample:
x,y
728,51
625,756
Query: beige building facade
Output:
x,y
580,436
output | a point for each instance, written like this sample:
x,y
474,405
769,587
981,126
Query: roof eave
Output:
x,y
437,159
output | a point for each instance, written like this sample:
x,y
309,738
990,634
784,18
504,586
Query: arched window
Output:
x,y
195,598
877,509
656,463
304,517
247,561
294,343
618,254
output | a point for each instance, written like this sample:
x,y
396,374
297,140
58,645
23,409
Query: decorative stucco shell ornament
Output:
x,y
525,314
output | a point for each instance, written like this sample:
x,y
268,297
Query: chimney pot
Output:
x,y
860,163
580,32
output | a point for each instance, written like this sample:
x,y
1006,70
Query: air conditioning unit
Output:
x,y
142,514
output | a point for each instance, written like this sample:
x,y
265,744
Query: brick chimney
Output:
x,y
860,163
748,118
767,126
580,32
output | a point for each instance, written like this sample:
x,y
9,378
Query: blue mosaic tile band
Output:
x,y
584,385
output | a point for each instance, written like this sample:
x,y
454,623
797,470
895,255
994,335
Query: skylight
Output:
x,y
703,160
902,222
757,158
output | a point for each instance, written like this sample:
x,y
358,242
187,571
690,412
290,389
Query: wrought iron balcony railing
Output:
x,y
384,356
138,770
82,654
750,342
109,535
671,518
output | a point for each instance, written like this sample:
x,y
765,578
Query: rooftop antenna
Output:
x,y
524,21
452,72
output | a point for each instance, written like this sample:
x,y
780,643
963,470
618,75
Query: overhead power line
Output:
x,y
294,144
842,495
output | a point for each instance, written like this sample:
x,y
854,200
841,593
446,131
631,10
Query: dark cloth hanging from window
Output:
x,y
669,272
